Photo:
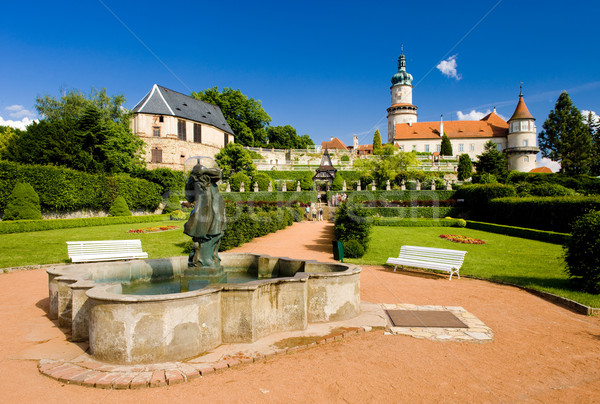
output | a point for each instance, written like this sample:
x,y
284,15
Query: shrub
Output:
x,y
119,207
352,221
465,167
401,222
23,204
478,196
581,252
167,179
263,181
353,249
345,157
173,203
544,213
236,179
542,189
338,182
178,215
306,183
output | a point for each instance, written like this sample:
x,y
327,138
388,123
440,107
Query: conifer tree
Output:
x,y
23,204
377,148
593,127
446,148
465,167
566,139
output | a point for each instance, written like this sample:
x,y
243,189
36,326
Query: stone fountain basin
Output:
x,y
160,328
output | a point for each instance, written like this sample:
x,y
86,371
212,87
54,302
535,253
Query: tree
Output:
x,y
446,148
386,168
23,204
465,167
119,207
84,133
492,161
285,137
581,252
377,148
233,158
593,127
565,138
7,136
245,115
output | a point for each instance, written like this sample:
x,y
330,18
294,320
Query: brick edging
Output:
x,y
121,377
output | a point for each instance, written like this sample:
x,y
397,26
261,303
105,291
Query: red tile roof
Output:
x,y
543,170
521,112
334,143
489,126
365,147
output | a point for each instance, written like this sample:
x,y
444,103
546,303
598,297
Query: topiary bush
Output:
x,y
542,189
178,215
352,221
581,253
119,207
262,180
236,179
353,249
23,204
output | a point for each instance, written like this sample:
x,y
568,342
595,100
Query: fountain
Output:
x,y
170,309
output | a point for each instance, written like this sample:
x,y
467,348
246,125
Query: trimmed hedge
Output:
x,y
64,189
398,222
414,212
543,213
286,198
531,234
24,226
423,195
583,184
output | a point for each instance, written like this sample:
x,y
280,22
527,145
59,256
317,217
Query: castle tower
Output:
x,y
401,110
521,145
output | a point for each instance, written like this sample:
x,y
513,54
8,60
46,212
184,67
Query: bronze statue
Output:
x,y
207,220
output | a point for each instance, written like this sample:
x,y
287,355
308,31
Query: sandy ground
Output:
x,y
541,352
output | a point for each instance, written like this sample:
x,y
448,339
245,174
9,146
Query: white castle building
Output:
x,y
517,137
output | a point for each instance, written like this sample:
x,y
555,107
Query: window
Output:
x,y
181,130
156,131
161,119
197,133
472,147
498,146
524,126
438,148
526,159
427,148
461,147
156,156
525,143
515,126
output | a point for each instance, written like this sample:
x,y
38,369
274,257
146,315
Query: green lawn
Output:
x,y
49,247
529,263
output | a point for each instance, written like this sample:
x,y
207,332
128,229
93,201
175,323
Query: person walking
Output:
x,y
314,214
307,213
320,214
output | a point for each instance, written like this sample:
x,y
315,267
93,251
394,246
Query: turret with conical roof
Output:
x,y
521,148
402,109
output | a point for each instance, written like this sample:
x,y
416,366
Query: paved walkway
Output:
x,y
540,352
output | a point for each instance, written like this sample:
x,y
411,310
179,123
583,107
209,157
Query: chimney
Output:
x,y
442,125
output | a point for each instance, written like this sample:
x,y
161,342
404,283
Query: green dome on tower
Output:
x,y
402,77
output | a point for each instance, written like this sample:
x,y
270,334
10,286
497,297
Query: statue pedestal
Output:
x,y
198,278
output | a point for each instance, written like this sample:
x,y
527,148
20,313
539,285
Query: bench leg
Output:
x,y
452,272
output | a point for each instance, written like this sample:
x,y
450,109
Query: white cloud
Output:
x,y
448,68
20,124
18,111
546,162
474,115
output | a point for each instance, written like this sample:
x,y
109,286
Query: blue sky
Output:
x,y
323,67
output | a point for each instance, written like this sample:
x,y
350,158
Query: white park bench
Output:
x,y
105,250
439,259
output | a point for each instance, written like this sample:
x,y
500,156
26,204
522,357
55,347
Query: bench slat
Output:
x,y
105,250
430,258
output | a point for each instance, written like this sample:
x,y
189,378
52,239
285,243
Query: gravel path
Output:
x,y
541,352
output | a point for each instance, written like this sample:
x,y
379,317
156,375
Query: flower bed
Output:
x,y
152,229
455,238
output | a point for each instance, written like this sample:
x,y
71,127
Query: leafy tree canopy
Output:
x,y
285,137
245,115
593,128
492,161
233,158
565,138
386,168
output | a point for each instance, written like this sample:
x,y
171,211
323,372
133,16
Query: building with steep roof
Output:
x,y
334,144
175,126
517,137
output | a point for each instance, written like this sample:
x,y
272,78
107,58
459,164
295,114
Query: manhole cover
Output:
x,y
420,318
